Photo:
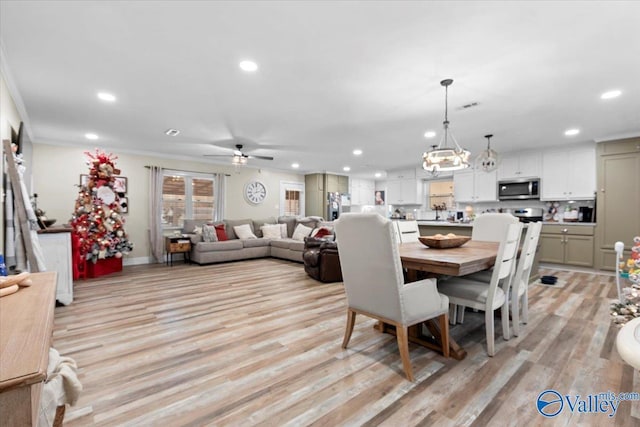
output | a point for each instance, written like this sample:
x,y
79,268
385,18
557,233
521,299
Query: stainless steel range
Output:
x,y
529,214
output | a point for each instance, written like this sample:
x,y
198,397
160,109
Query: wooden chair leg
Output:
x,y
460,318
505,320
453,310
515,314
351,321
444,334
403,346
488,324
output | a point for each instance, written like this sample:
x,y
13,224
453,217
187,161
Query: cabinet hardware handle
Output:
x,y
564,230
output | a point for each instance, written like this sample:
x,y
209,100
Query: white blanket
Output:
x,y
61,387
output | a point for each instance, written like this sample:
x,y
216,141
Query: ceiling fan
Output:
x,y
238,157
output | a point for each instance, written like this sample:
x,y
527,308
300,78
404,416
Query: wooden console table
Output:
x,y
26,324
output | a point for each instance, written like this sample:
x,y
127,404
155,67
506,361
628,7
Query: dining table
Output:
x,y
471,257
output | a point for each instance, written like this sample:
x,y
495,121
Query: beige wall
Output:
x,y
57,169
9,118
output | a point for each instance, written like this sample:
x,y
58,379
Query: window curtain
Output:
x,y
220,194
156,240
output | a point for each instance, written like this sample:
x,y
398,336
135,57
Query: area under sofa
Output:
x,y
235,249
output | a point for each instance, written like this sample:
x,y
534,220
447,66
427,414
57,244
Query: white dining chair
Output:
x,y
489,296
408,231
374,284
520,282
488,227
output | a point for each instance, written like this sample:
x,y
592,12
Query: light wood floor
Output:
x,y
258,343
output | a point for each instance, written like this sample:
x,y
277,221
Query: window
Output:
x,y
186,196
292,202
292,198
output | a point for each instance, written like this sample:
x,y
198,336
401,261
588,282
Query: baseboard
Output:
x,y
137,261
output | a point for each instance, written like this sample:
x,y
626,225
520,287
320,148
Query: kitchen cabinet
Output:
x,y
618,198
55,243
475,186
403,188
362,191
567,244
317,185
569,174
522,165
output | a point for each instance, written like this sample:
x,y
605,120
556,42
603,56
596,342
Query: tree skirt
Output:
x,y
622,313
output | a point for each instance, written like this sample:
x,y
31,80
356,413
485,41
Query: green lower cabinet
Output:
x,y
571,245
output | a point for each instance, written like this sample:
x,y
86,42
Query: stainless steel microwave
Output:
x,y
519,189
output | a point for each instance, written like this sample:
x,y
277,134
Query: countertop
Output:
x,y
470,224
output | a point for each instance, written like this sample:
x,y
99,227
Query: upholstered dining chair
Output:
x,y
489,296
408,231
374,284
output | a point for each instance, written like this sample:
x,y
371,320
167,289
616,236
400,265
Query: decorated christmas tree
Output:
x,y
97,220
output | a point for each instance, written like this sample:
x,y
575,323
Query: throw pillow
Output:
x,y
197,230
272,231
301,232
221,233
283,231
321,232
244,232
209,233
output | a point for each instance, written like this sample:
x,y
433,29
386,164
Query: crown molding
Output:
x,y
13,91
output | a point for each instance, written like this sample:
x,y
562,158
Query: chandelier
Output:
x,y
442,158
488,159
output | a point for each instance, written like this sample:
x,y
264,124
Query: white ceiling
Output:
x,y
333,76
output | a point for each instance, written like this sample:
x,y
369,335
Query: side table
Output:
x,y
177,245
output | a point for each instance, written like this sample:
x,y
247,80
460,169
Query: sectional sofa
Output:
x,y
235,248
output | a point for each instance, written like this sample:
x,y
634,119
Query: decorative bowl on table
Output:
x,y
444,241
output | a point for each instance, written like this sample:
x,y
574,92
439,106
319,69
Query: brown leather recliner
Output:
x,y
321,260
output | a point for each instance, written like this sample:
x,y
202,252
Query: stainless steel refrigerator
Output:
x,y
337,203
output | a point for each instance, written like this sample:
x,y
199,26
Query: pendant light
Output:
x,y
488,159
442,158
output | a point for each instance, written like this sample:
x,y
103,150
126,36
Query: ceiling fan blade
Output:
x,y
218,155
251,156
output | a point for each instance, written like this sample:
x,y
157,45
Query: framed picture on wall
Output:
x,y
120,185
124,205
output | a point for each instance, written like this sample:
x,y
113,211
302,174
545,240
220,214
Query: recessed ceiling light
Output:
x,y
346,168
91,136
357,152
249,66
378,175
295,165
106,96
572,132
611,94
172,132
429,134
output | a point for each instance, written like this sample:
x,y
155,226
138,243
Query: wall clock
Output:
x,y
255,192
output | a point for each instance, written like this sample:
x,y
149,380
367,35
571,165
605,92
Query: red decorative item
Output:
x,y
103,267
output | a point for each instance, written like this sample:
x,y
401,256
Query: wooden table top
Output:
x,y
26,323
469,258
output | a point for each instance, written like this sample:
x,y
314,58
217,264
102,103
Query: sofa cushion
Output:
x,y
230,223
296,245
255,243
257,223
189,225
272,231
228,245
301,232
244,232
290,221
209,233
195,238
281,243
309,221
221,233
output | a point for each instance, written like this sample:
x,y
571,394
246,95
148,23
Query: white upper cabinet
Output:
x,y
362,191
475,186
521,165
569,174
404,188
